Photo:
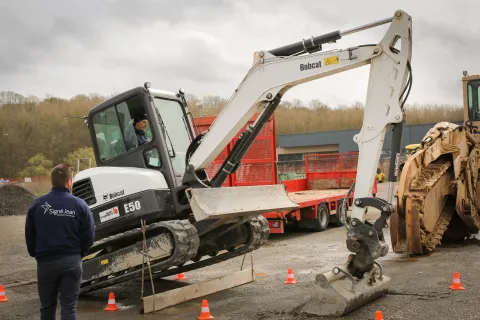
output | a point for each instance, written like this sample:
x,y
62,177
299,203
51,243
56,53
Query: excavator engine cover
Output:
x,y
337,292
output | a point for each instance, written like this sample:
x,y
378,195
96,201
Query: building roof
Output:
x,y
344,138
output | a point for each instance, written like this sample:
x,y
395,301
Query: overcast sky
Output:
x,y
65,47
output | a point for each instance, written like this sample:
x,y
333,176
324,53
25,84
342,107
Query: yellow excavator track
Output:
x,y
436,183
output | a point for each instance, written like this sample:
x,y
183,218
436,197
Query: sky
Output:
x,y
65,47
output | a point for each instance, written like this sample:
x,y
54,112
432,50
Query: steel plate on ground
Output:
x,y
232,202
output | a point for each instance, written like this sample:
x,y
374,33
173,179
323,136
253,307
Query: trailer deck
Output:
x,y
328,178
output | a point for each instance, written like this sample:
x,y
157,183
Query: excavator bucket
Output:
x,y
230,203
337,293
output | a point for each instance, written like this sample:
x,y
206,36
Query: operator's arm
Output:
x,y
30,231
88,229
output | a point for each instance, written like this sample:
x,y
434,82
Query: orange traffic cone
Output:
x,y
3,297
205,312
456,285
378,315
290,277
112,306
181,276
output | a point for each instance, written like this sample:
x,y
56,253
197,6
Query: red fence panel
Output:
x,y
331,171
258,164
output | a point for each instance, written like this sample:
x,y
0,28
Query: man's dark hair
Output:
x,y
60,175
139,117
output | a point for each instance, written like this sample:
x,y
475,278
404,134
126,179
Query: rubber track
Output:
x,y
111,240
258,237
186,243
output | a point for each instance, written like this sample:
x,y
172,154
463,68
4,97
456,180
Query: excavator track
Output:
x,y
420,187
259,233
430,241
185,241
420,240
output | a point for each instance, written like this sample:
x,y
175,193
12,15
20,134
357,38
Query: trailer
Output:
x,y
328,179
325,185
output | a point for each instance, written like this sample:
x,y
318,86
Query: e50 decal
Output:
x,y
132,206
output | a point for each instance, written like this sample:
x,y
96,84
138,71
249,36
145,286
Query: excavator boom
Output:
x,y
273,73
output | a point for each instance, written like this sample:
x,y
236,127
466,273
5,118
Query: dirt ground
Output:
x,y
419,288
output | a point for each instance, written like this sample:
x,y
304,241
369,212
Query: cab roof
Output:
x,y
131,92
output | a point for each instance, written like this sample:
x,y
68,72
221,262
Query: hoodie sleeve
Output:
x,y
88,229
30,231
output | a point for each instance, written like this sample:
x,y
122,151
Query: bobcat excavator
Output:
x,y
192,221
438,189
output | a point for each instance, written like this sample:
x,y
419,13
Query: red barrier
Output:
x,y
295,185
332,171
258,164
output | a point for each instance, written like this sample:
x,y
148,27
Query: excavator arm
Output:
x,y
272,74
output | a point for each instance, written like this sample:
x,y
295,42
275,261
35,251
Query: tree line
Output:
x,y
37,134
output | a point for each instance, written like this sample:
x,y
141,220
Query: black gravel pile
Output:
x,y
14,200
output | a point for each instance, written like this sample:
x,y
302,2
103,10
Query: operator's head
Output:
x,y
140,122
62,176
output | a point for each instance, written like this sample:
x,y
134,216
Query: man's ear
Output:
x,y
69,184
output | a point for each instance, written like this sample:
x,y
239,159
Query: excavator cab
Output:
x,y
130,171
471,102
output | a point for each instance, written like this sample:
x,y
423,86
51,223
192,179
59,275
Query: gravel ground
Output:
x,y
14,200
419,288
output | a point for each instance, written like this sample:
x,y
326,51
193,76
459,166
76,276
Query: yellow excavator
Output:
x,y
437,197
412,148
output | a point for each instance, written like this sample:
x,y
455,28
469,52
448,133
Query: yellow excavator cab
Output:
x,y
412,148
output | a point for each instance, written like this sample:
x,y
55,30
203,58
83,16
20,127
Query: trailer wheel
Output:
x,y
323,218
336,217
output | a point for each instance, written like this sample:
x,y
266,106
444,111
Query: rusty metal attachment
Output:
x,y
437,191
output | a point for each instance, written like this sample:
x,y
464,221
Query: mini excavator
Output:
x,y
192,221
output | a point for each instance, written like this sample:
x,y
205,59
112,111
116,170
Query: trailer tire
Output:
x,y
336,217
323,218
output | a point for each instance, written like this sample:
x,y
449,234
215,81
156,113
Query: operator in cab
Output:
x,y
140,123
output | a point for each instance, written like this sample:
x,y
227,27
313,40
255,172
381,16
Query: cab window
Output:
x,y
115,129
108,134
153,158
473,100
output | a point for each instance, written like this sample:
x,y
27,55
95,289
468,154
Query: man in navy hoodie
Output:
x,y
59,231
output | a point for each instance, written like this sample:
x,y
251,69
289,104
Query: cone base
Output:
x,y
111,309
5,299
456,287
205,318
290,281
